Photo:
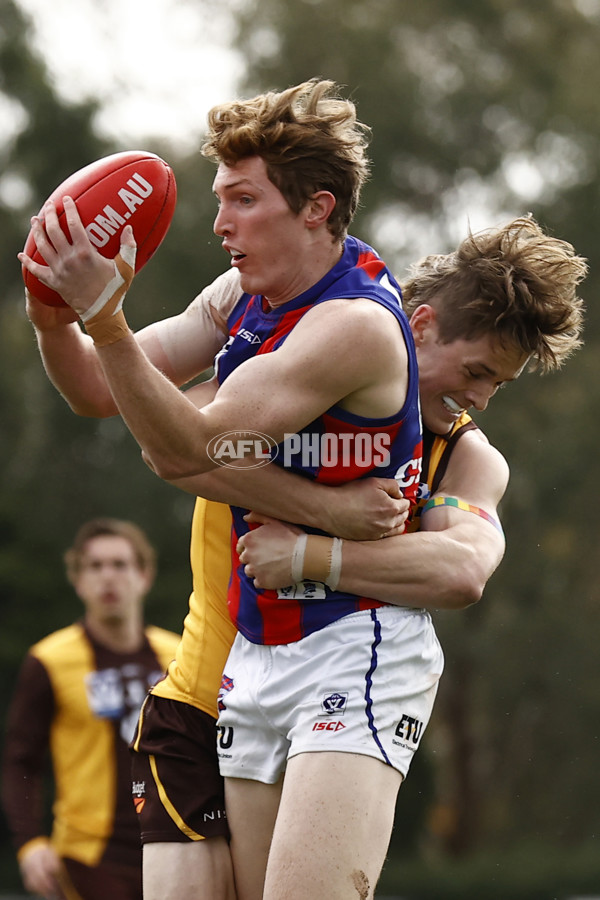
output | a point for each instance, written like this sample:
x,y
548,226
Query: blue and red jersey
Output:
x,y
336,448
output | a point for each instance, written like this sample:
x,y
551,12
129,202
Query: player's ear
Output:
x,y
319,208
422,321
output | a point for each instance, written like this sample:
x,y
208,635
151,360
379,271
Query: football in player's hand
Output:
x,y
135,187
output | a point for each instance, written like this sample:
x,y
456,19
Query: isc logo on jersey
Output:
x,y
249,336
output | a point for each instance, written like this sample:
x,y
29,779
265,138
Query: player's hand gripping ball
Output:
x,y
135,187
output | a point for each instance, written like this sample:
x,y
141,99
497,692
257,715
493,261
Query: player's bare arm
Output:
x,y
181,346
362,510
281,392
171,431
444,566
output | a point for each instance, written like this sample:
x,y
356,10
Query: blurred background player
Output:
x,y
78,698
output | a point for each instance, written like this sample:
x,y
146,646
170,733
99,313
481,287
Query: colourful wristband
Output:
x,y
460,504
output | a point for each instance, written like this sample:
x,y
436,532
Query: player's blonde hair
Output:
x,y
309,138
145,554
515,282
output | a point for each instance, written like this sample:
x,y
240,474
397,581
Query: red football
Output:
x,y
135,187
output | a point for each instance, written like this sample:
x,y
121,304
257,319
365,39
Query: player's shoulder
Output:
x,y
60,644
219,297
367,325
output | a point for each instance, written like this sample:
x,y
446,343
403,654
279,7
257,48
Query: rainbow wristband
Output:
x,y
460,504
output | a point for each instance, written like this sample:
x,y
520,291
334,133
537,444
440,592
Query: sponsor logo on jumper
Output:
x,y
226,686
361,450
409,730
138,789
409,473
328,726
334,704
110,220
304,590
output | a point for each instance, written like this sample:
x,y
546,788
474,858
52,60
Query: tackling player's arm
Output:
x,y
361,510
445,565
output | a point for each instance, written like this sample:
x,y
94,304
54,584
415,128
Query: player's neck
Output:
x,y
118,635
319,261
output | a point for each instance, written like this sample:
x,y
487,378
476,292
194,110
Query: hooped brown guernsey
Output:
x,y
81,700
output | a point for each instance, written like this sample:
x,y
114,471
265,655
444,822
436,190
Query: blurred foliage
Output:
x,y
480,109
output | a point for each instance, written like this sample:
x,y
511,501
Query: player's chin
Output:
x,y
437,424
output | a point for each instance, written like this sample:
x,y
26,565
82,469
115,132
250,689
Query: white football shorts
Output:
x,y
365,684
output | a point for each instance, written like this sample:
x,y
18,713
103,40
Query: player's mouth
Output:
x,y
236,255
452,406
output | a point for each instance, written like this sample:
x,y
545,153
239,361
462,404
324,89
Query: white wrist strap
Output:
x,y
128,256
335,567
298,558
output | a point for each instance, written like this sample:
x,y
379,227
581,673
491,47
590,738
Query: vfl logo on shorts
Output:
x,y
226,686
334,704
138,789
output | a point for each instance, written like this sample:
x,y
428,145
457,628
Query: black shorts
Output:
x,y
177,789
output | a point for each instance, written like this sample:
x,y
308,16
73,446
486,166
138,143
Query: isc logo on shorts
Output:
x,y
328,726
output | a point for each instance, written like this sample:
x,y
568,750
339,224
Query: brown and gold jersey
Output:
x,y
81,701
437,450
194,676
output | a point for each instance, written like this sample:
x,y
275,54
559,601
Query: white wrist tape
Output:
x,y
335,567
298,558
127,255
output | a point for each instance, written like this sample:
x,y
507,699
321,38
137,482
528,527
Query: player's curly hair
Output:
x,y
515,281
309,138
106,527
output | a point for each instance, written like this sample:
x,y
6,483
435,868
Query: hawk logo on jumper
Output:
x,y
226,686
410,730
138,789
304,590
117,694
334,704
